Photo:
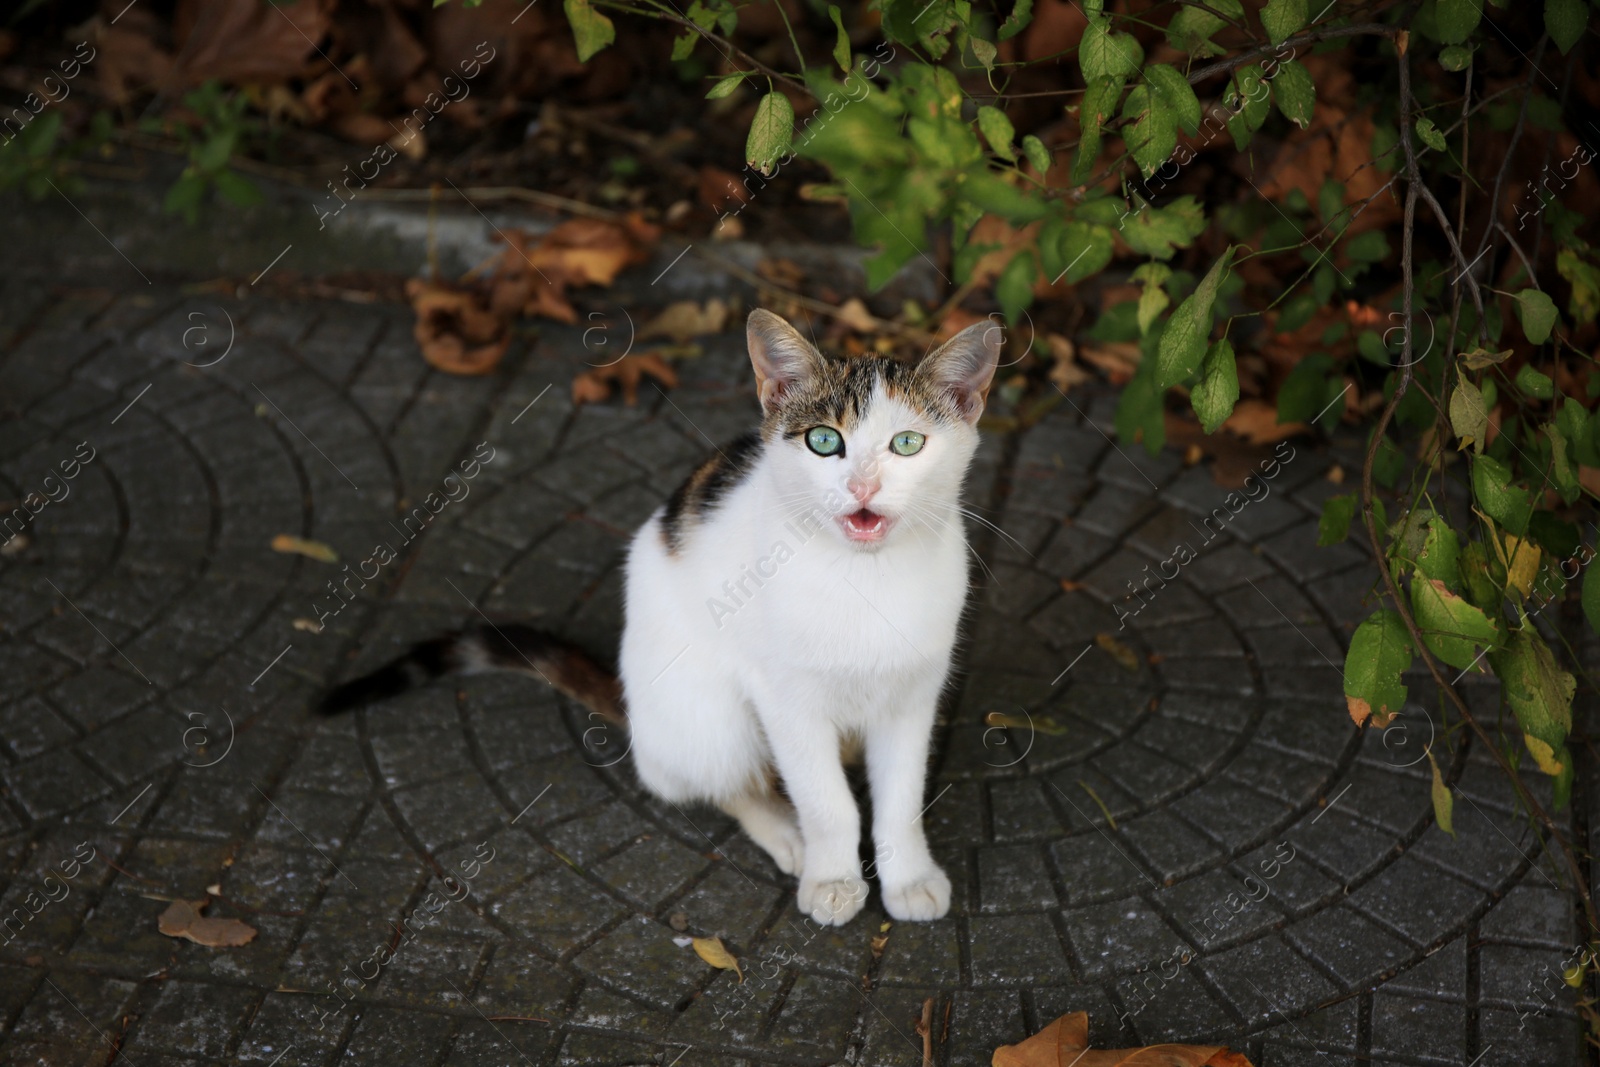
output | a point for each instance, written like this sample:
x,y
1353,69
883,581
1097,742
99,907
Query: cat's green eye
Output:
x,y
825,441
907,443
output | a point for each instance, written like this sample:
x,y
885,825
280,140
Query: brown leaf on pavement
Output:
x,y
183,919
687,319
299,546
714,952
1066,1042
593,386
1125,656
455,328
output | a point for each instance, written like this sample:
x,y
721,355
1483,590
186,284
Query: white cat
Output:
x,y
797,598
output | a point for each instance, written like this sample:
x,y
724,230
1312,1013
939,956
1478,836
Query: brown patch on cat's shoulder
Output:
x,y
706,487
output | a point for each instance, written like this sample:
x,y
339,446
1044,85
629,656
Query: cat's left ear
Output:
x,y
964,366
781,357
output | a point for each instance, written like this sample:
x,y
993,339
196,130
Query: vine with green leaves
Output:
x,y
1481,536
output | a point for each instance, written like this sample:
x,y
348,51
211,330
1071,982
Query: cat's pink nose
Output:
x,y
863,491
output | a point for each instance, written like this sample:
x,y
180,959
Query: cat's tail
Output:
x,y
506,647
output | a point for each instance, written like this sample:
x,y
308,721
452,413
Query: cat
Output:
x,y
796,598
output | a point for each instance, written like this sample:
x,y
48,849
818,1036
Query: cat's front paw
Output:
x,y
921,900
834,903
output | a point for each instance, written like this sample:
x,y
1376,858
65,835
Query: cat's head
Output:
x,y
872,447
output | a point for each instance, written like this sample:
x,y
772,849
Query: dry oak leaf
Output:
x,y
299,546
687,319
245,40
1125,656
594,386
455,330
183,919
714,952
594,251
1066,1042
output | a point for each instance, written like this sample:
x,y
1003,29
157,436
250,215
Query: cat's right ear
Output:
x,y
781,357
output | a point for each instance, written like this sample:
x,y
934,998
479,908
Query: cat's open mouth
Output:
x,y
865,525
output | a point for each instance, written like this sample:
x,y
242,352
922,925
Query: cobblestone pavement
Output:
x,y
1195,845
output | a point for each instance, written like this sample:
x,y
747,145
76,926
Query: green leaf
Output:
x,y
683,47
1153,300
998,131
1280,18
1140,415
770,131
1535,384
1037,154
1380,650
1152,132
1081,249
726,86
1249,99
1310,391
1430,134
1455,58
184,195
1540,694
1173,92
1191,28
236,189
1295,93
1537,313
1591,597
1014,288
998,196
1443,802
1456,19
1565,19
1369,247
1017,21
1584,278
1183,343
1158,232
1440,555
841,44
1104,54
983,51
1100,98
1217,391
1469,418
1507,504
591,31
1451,627
1334,526
1480,358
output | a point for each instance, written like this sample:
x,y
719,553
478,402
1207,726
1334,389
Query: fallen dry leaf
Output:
x,y
1120,652
309,625
714,952
183,919
1064,372
1336,474
1066,1041
456,329
1257,422
854,314
1119,359
299,546
593,386
687,319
